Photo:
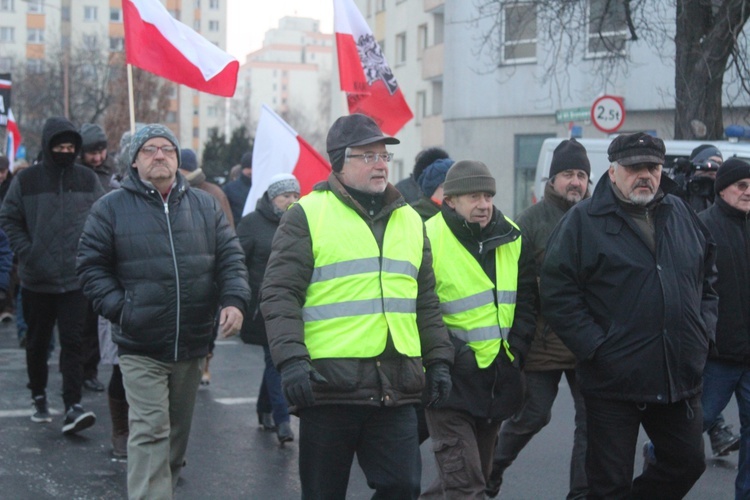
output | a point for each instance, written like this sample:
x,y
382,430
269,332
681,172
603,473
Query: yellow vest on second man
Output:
x,y
356,294
466,292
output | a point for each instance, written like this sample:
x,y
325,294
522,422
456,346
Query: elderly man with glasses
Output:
x,y
159,259
353,320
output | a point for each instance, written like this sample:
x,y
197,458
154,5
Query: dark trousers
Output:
x,y
272,384
90,344
384,439
676,431
41,311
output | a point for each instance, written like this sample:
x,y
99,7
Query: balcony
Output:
x,y
432,62
432,131
434,5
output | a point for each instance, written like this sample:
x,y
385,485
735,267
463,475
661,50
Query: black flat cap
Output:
x,y
632,149
355,130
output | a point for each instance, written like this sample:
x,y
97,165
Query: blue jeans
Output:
x,y
720,380
272,386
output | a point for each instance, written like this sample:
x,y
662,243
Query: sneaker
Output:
x,y
723,440
41,412
93,384
649,455
77,419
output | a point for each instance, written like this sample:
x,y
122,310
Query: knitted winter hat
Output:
x,y
434,175
93,137
247,160
730,172
282,183
568,155
468,176
149,132
189,160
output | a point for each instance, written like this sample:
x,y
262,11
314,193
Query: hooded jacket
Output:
x,y
731,230
495,392
160,270
44,212
639,322
389,379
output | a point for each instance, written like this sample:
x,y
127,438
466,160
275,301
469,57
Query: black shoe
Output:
x,y
265,420
285,433
93,384
723,440
492,488
77,419
41,412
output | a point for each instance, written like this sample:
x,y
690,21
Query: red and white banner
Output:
x,y
279,149
364,74
13,139
157,42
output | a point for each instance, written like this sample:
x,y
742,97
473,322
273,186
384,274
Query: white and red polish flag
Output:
x,y
364,74
279,149
158,43
14,138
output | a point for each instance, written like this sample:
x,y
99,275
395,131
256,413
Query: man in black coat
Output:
x,y
627,284
159,258
43,215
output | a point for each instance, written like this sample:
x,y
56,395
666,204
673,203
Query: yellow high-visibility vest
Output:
x,y
466,293
356,293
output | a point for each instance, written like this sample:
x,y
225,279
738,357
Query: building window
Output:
x,y
379,6
196,132
7,34
519,33
89,42
65,13
401,48
35,7
35,35
422,42
526,155
35,65
172,92
116,44
420,110
89,13
115,15
6,64
213,4
171,117
213,26
607,30
6,5
213,111
197,25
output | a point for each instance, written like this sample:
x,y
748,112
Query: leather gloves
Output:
x,y
295,380
439,384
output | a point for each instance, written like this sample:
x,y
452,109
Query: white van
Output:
x,y
597,153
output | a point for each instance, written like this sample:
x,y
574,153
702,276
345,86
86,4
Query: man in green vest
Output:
x,y
353,321
485,281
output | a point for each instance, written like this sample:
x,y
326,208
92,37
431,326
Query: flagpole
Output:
x,y
131,101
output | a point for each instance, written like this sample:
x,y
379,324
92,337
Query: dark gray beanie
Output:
x,y
149,132
569,155
93,137
468,176
730,172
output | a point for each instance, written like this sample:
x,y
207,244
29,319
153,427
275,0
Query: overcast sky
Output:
x,y
250,19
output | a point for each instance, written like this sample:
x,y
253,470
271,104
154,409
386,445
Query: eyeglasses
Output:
x,y
149,151
373,157
742,185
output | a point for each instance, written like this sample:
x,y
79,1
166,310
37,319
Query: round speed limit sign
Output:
x,y
608,113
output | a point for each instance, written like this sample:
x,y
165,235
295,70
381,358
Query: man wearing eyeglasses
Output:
x,y
43,215
727,370
353,321
627,284
159,258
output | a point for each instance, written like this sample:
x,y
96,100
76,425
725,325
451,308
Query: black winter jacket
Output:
x,y
639,323
43,215
161,270
495,392
389,379
255,232
731,230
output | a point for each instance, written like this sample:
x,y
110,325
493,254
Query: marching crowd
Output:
x,y
390,314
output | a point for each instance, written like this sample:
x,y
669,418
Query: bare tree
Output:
x,y
704,39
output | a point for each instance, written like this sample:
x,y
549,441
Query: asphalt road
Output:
x,y
229,456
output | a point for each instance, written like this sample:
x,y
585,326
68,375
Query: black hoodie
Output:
x,y
44,212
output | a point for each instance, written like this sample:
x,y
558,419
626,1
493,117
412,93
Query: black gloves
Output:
x,y
439,384
295,380
518,362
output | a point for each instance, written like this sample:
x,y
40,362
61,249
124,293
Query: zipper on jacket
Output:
x,y
177,279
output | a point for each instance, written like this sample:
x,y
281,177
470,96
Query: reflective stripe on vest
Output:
x,y
467,297
356,294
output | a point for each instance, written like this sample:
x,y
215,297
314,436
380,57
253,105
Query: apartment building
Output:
x,y
32,30
292,74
